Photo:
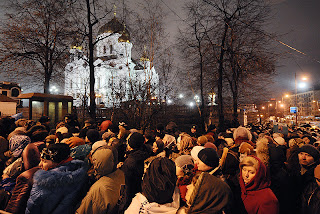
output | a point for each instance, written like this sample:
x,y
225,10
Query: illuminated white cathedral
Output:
x,y
117,75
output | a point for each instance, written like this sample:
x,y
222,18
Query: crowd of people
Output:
x,y
109,167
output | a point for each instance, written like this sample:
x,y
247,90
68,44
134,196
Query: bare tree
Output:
x,y
35,38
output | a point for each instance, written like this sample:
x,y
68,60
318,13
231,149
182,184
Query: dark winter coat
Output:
x,y
21,192
133,168
257,197
57,190
310,202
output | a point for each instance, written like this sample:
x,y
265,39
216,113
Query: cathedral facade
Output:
x,y
118,77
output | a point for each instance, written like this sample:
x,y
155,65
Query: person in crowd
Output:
x,y
310,202
184,145
159,193
207,194
212,129
185,173
245,149
92,136
241,134
133,167
208,161
45,121
202,140
105,125
57,185
71,121
88,124
302,174
157,151
254,181
194,131
105,192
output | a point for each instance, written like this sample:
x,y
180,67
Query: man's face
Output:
x,y
193,130
305,159
67,119
47,164
202,166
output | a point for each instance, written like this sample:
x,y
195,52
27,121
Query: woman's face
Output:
x,y
155,147
190,189
47,164
248,172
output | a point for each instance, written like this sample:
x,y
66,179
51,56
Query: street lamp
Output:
x,y
301,85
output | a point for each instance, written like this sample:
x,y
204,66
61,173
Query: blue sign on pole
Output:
x,y
293,110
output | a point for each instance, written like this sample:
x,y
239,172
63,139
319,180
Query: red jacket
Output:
x,y
257,197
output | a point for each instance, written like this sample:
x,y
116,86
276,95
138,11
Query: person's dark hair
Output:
x,y
114,128
149,134
39,135
160,135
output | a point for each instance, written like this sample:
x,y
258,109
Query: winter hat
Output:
x,y
56,152
242,132
317,172
74,142
245,148
209,156
107,135
159,181
280,140
105,125
93,135
136,140
194,152
185,162
311,150
202,140
17,143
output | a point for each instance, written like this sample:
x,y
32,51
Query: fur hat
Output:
x,y
209,156
93,135
136,140
56,152
242,132
311,150
202,140
245,148
17,143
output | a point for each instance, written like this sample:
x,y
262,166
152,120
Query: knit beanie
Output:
x,y
245,148
311,150
280,140
317,172
209,156
185,162
159,181
136,140
93,135
56,152
195,151
202,140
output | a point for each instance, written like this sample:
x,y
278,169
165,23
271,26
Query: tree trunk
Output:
x,y
220,78
92,109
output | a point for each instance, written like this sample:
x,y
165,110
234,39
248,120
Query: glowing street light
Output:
x,y
53,90
263,107
191,104
181,96
169,101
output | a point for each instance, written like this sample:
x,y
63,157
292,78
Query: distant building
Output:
x,y
307,102
115,70
10,89
8,106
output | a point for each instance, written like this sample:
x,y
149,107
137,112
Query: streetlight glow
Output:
x,y
191,104
180,95
302,85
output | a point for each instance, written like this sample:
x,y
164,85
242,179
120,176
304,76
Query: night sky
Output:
x,y
297,20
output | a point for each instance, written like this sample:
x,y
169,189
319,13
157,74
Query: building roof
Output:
x,y
4,98
114,26
41,96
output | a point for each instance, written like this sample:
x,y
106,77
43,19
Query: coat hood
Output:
x,y
104,161
210,195
260,181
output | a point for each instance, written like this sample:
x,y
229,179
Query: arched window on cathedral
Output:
x,y
111,49
104,49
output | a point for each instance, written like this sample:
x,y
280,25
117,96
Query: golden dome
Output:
x,y
114,26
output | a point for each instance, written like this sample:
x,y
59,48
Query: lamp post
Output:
x,y
296,92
